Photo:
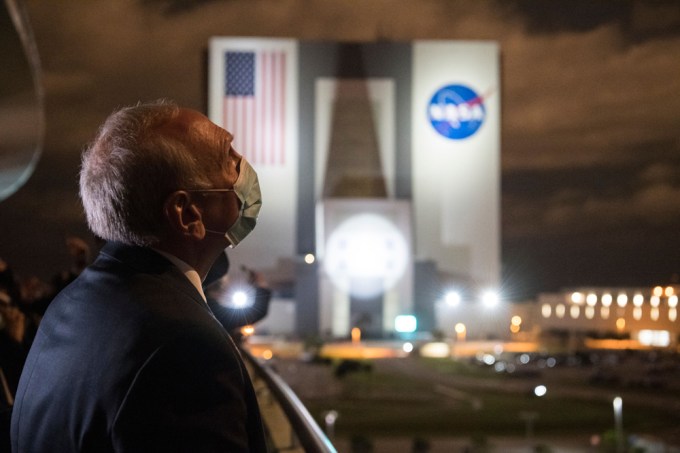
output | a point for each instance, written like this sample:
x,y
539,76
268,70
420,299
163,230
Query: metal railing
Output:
x,y
290,425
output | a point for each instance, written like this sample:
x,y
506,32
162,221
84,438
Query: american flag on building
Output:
x,y
255,104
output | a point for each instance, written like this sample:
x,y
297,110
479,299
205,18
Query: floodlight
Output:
x,y
490,298
239,299
452,298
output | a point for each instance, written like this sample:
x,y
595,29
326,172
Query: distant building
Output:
x,y
605,316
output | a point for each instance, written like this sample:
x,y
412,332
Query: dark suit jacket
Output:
x,y
129,358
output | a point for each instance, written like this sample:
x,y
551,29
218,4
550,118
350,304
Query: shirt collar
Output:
x,y
187,270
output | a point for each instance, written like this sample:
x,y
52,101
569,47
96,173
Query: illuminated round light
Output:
x,y
407,347
490,298
577,297
247,331
622,300
637,313
604,312
546,310
621,323
516,320
560,310
540,390
310,258
672,314
574,311
657,291
514,328
654,314
524,359
669,291
654,301
267,354
366,255
591,299
452,298
638,300
239,299
488,359
606,299
590,312
331,417
673,301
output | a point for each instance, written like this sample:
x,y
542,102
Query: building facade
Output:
x,y
380,160
635,317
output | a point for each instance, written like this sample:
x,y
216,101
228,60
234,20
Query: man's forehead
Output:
x,y
203,128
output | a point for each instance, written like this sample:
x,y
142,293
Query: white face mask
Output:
x,y
247,189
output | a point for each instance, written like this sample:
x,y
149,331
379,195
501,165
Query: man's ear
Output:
x,y
183,216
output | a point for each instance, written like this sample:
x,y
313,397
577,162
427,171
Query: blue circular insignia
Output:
x,y
456,111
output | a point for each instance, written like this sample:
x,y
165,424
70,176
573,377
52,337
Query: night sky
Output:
x,y
590,127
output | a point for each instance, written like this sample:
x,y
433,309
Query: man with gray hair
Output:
x,y
129,357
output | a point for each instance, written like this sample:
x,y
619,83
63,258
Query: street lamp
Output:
x,y
356,335
329,418
618,422
529,419
461,331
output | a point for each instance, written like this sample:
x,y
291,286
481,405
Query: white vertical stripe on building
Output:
x,y
456,182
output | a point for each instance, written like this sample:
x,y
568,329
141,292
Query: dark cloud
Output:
x,y
638,20
172,7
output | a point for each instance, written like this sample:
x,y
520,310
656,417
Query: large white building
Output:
x,y
380,160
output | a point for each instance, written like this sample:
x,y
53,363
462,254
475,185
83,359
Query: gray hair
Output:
x,y
131,167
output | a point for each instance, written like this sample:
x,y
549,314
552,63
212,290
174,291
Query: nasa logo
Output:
x,y
456,111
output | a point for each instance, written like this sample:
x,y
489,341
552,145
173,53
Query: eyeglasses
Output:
x,y
210,190
205,192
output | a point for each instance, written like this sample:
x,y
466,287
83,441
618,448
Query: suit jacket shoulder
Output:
x,y
127,358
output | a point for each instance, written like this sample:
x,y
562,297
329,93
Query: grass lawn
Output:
x,y
383,403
